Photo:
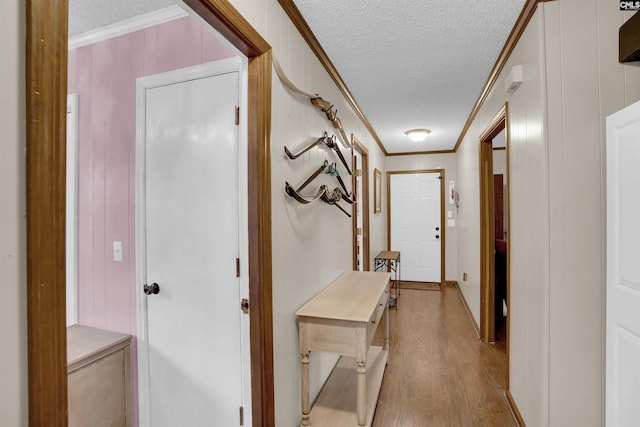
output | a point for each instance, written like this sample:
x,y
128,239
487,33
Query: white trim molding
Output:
x,y
72,210
127,26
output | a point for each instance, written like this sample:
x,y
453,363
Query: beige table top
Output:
x,y
390,255
352,296
84,342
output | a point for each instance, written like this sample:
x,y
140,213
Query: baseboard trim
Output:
x,y
517,416
466,308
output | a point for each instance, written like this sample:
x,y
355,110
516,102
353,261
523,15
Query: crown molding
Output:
x,y
298,20
525,16
127,26
419,153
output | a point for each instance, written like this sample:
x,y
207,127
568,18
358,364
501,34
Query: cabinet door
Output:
x,y
97,393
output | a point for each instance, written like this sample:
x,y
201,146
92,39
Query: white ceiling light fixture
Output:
x,y
418,135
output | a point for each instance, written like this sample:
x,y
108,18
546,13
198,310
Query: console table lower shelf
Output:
x,y
336,404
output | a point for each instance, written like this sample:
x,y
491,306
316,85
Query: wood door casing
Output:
x,y
366,254
488,232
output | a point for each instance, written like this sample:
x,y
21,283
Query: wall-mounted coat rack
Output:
x,y
334,196
331,197
326,140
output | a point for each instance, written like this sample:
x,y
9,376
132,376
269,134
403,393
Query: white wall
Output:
x,y
529,228
435,161
585,84
500,163
572,81
312,244
13,306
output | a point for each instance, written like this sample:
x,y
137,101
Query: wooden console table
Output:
x,y
342,319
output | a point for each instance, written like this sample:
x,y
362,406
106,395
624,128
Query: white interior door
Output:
x,y
192,345
623,268
416,224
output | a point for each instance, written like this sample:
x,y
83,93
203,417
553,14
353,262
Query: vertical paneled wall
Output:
x,y
311,243
104,77
528,217
572,81
586,83
13,255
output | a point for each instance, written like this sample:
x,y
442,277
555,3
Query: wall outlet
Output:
x,y
464,277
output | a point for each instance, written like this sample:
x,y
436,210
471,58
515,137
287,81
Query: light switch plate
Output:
x,y
117,251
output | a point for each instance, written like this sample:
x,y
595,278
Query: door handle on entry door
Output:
x,y
154,288
437,236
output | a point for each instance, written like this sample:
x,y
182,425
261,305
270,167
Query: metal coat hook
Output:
x,y
329,142
331,197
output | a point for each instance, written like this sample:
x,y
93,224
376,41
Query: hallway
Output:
x,y
439,373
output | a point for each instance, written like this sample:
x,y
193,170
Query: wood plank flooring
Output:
x,y
439,373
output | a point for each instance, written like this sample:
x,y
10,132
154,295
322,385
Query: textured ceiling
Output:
x,y
413,63
87,15
409,63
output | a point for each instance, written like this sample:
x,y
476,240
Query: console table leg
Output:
x,y
361,408
306,406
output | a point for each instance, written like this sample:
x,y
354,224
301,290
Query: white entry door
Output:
x,y
623,268
190,344
416,224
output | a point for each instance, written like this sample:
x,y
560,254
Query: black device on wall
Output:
x,y
629,45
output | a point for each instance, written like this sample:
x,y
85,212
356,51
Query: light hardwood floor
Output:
x,y
439,373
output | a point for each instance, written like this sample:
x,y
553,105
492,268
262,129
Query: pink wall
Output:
x,y
104,77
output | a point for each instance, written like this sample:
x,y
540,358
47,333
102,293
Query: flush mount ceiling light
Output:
x,y
418,135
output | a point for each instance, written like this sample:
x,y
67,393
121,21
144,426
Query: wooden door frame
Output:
x,y
443,233
487,238
487,230
366,253
46,93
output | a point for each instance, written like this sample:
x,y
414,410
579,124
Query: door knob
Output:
x,y
154,288
437,236
437,228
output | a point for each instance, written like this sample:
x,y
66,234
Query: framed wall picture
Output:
x,y
377,191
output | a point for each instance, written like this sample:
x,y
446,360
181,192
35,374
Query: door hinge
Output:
x,y
359,232
237,116
241,416
244,305
237,267
358,172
